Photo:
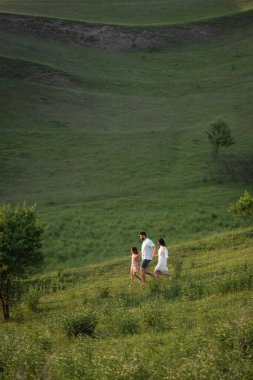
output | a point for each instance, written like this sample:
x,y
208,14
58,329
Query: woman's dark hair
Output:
x,y
162,242
134,250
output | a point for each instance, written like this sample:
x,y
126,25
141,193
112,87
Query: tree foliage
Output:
x,y
20,243
243,208
218,134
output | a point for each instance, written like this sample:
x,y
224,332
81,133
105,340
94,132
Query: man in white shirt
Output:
x,y
148,250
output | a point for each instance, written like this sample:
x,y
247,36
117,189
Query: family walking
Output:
x,y
148,251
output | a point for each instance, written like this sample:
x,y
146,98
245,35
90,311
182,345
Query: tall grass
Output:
x,y
199,325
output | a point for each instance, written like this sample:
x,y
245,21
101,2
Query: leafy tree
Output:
x,y
218,134
243,208
20,242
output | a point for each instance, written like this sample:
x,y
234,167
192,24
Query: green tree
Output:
x,y
20,243
218,134
243,208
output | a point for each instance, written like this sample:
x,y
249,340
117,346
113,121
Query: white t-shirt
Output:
x,y
147,249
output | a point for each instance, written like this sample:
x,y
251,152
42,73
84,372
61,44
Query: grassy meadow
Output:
x,y
131,12
108,144
87,323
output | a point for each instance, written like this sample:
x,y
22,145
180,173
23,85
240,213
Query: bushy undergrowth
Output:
x,y
23,354
196,326
82,321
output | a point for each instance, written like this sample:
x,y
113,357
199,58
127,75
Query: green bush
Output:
x,y
23,354
75,363
154,315
123,322
237,280
103,290
174,292
236,335
243,208
81,322
193,290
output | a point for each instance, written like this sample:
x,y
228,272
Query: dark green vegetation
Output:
x,y
87,324
20,243
108,144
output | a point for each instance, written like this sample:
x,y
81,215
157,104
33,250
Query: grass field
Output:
x,y
108,144
87,322
133,12
108,138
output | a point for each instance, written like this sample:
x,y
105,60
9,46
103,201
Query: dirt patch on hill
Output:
x,y
33,72
109,38
115,38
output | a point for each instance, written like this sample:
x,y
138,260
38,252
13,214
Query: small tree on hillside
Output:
x,y
218,134
243,208
20,242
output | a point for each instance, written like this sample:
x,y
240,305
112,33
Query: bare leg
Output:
x,y
166,274
143,274
150,274
143,277
136,275
131,276
157,274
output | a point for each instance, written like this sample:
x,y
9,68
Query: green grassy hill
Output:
x,y
131,12
88,324
108,143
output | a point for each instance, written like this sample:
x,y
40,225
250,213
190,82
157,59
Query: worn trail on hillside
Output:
x,y
119,38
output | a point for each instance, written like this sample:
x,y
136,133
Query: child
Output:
x,y
134,265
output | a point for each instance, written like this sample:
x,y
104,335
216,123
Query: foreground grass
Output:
x,y
133,12
199,325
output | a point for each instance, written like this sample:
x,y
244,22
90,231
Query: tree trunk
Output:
x,y
215,151
5,308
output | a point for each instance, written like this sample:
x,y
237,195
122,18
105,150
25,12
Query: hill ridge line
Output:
x,y
242,14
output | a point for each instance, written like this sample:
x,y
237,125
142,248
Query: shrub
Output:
x,y
124,322
173,292
240,279
243,208
154,315
75,363
81,322
236,335
23,354
155,286
103,290
18,315
193,290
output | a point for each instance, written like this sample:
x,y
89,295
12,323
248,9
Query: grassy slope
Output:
x,y
99,150
197,326
132,12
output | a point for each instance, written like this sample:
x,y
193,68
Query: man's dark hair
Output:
x,y
143,233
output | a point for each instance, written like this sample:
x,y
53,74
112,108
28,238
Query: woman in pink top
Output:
x,y
134,265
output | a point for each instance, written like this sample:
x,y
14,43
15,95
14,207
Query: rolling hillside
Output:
x,y
103,127
88,324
